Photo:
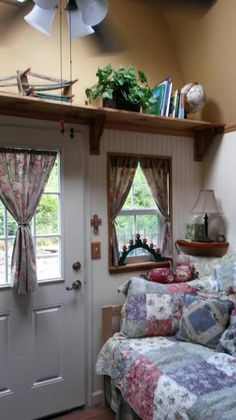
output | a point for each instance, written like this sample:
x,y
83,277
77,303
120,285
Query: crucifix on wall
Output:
x,y
95,223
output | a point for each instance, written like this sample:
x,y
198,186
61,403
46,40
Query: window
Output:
x,y
139,215
46,232
138,210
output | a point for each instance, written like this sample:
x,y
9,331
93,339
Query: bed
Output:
x,y
162,377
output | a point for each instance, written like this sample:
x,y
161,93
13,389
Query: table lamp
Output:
x,y
206,203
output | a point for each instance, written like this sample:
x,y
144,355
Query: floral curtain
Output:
x,y
157,172
122,171
23,177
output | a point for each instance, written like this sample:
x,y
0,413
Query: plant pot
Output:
x,y
119,102
109,103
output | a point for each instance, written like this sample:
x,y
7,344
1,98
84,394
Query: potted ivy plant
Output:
x,y
121,88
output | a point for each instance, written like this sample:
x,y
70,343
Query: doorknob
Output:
x,y
76,285
76,266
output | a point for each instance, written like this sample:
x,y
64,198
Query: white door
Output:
x,y
42,336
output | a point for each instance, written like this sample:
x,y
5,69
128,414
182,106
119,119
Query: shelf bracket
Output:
x,y
202,139
96,127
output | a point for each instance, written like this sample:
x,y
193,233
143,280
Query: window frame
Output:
x,y
138,266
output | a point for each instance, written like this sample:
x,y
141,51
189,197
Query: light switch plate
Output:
x,y
95,250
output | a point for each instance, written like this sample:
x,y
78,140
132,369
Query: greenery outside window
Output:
x,y
46,232
139,215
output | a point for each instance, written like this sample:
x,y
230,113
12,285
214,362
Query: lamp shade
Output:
x,y
41,19
206,203
46,4
76,26
93,11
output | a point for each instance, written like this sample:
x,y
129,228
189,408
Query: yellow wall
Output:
x,y
205,45
161,42
141,30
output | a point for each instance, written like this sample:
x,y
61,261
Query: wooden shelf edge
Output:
x,y
205,249
100,118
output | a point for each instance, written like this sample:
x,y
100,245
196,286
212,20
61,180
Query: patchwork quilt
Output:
x,y
165,379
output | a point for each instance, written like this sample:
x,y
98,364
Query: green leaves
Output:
x,y
134,86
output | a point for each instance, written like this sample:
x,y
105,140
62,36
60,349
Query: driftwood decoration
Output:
x,y
25,87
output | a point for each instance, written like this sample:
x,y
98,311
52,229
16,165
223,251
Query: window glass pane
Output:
x,y
138,252
125,229
48,258
11,225
47,215
139,195
128,226
52,184
142,197
2,262
1,219
147,227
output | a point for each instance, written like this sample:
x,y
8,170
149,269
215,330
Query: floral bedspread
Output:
x,y
162,378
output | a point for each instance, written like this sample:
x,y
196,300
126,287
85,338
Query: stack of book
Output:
x,y
169,103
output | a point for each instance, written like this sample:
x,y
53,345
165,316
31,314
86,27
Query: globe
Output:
x,y
195,97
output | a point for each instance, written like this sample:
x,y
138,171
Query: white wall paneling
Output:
x,y
219,172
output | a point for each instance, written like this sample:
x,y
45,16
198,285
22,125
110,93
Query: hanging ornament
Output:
x,y
62,127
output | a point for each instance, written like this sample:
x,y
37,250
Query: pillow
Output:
x,y
150,314
205,284
225,274
228,340
185,271
203,320
203,265
136,285
219,295
162,275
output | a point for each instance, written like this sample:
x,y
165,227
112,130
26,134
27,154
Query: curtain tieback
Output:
x,y
23,224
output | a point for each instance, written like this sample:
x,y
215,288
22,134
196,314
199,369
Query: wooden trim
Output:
x,y
229,127
138,266
202,140
95,133
207,249
108,312
129,268
99,118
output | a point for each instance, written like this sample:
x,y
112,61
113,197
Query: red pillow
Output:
x,y
185,271
162,275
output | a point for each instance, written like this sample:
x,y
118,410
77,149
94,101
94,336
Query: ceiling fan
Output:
x,y
86,17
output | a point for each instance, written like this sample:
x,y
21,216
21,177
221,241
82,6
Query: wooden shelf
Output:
x,y
205,249
99,118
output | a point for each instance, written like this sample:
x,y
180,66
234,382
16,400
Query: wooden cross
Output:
x,y
95,222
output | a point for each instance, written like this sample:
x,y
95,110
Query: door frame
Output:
x,y
83,133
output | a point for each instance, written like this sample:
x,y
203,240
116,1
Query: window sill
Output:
x,y
138,267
